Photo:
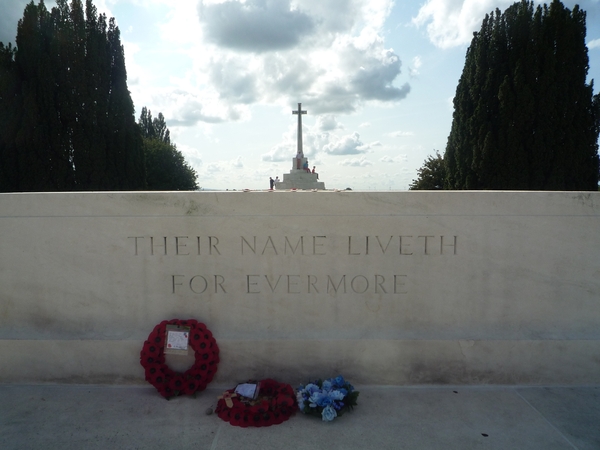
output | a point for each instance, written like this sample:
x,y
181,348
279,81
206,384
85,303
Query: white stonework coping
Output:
x,y
383,287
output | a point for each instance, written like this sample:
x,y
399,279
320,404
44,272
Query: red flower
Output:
x,y
272,409
152,369
190,387
167,381
284,400
278,418
177,384
157,338
236,417
166,391
157,379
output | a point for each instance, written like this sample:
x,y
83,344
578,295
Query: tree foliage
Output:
x,y
431,175
154,128
166,168
66,114
524,115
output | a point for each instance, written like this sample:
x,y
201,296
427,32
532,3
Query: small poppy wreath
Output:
x,y
168,382
275,404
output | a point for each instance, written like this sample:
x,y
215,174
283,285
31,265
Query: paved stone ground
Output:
x,y
450,417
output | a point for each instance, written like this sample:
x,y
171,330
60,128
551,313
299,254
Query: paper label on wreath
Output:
x,y
177,340
248,390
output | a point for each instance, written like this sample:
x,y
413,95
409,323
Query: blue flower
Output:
x,y
328,414
319,399
315,399
311,388
300,398
325,400
337,395
327,385
339,381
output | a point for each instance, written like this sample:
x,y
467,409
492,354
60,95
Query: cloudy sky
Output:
x,y
377,78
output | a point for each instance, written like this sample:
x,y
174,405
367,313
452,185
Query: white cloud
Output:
x,y
215,167
356,162
328,123
395,159
181,26
223,166
319,139
451,23
331,54
594,44
237,53
234,81
413,71
401,133
280,152
192,155
185,108
237,163
254,26
346,145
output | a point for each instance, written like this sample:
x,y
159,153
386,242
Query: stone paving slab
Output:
x,y
449,417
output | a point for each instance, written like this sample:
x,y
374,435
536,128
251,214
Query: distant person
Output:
x,y
276,180
314,171
271,182
305,167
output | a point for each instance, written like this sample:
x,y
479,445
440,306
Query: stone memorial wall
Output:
x,y
384,287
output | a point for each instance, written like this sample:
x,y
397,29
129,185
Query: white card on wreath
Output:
x,y
177,340
248,390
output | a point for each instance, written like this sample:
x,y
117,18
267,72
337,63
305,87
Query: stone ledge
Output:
x,y
376,362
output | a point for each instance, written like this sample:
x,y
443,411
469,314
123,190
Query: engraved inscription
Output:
x,y
303,245
401,245
329,284
175,245
199,284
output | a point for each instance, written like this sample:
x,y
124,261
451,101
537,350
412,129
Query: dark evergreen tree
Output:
x,y
524,115
9,105
161,130
166,167
146,125
154,128
431,175
64,97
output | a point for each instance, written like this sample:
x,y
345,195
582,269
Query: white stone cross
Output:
x,y
300,112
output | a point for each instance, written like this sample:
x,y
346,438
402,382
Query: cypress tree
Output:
x,y
37,156
524,116
64,98
9,107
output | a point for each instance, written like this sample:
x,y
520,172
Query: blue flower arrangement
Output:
x,y
327,399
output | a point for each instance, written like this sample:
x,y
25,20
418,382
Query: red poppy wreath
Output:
x,y
168,382
274,405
